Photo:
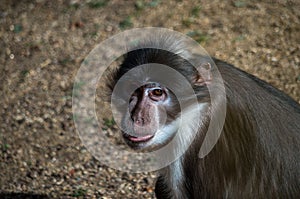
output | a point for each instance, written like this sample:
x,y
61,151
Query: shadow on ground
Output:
x,y
11,195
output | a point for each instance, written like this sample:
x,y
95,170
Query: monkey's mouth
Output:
x,y
136,139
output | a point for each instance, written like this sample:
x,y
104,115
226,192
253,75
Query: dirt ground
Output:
x,y
42,44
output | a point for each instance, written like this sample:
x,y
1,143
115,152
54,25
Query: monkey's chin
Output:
x,y
137,143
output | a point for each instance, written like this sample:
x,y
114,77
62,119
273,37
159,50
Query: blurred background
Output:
x,y
42,44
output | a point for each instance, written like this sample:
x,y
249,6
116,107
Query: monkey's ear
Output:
x,y
204,75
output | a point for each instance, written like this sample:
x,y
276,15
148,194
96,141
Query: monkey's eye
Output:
x,y
157,94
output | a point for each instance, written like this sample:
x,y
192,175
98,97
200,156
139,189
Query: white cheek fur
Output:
x,y
184,125
165,134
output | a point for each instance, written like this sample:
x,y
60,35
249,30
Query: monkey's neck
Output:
x,y
174,174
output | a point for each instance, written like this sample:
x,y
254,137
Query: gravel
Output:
x,y
43,44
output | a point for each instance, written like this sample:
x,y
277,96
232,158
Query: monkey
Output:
x,y
257,153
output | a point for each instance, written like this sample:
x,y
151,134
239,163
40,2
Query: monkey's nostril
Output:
x,y
139,121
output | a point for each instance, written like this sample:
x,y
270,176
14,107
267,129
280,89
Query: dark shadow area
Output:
x,y
9,195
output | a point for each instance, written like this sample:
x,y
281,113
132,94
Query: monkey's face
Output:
x,y
147,124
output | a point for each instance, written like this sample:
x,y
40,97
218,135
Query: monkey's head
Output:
x,y
153,110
